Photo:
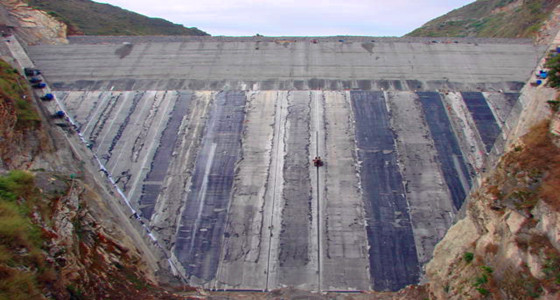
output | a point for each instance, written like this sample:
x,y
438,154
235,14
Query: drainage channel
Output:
x,y
278,125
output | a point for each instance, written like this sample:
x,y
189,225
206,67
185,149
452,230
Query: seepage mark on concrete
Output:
x,y
125,122
200,234
174,191
483,118
162,157
392,253
124,50
451,159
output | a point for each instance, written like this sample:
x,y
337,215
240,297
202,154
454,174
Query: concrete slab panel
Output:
x,y
345,261
297,265
450,157
464,129
483,118
245,262
162,157
430,207
202,224
216,63
392,253
501,105
175,187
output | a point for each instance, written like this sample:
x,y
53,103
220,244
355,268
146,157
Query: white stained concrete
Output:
x,y
500,106
465,130
174,192
100,114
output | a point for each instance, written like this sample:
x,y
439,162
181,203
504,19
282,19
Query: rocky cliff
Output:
x,y
62,234
508,244
31,26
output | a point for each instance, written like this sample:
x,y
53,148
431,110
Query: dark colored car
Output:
x,y
31,72
39,85
35,80
47,97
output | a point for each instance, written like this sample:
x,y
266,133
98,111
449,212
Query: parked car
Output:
x,y
31,72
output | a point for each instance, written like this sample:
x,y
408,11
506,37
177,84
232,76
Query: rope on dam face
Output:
x,y
318,197
21,57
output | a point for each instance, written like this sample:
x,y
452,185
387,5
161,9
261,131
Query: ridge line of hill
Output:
x,y
85,17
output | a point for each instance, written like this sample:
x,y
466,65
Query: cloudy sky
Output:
x,y
295,17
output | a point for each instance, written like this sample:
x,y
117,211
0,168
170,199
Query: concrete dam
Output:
x,y
212,140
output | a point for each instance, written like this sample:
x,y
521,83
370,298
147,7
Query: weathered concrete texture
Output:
x,y
450,157
392,253
469,140
483,118
176,184
245,261
160,162
501,105
345,261
199,236
430,207
295,252
286,64
225,179
105,119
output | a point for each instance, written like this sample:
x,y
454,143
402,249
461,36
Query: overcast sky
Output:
x,y
295,17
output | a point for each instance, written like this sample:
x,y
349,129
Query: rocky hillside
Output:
x,y
21,135
30,25
92,18
508,245
59,235
491,18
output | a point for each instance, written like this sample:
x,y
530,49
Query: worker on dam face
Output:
x,y
317,161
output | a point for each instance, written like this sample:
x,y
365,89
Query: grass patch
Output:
x,y
23,268
468,257
483,291
13,91
482,282
552,268
533,172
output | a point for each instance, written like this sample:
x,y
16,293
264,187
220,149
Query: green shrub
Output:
x,y
554,105
468,257
483,291
553,64
487,269
481,280
552,267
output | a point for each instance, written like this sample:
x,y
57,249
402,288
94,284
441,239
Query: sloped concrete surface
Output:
x,y
170,63
212,141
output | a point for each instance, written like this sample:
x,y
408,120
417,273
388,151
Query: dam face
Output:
x,y
212,140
